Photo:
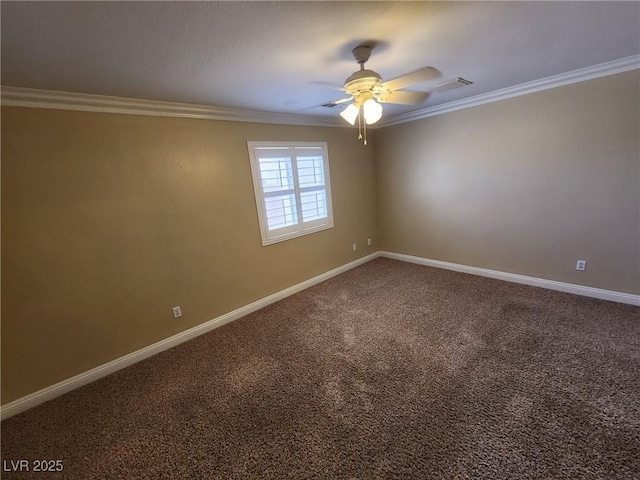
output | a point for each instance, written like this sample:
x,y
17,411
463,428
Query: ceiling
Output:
x,y
284,56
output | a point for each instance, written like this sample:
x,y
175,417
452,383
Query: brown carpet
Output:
x,y
389,371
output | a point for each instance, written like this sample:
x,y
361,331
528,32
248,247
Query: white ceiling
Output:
x,y
279,56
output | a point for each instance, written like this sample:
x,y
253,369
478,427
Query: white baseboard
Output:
x,y
60,388
513,277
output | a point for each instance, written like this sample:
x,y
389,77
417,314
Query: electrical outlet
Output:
x,y
355,247
581,264
368,241
176,312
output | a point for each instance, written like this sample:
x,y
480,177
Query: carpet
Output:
x,y
388,371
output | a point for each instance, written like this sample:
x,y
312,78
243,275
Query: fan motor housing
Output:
x,y
362,80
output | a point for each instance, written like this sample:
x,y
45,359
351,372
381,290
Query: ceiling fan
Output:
x,y
367,91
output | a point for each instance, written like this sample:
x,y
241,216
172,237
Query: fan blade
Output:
x,y
330,85
419,76
333,103
403,97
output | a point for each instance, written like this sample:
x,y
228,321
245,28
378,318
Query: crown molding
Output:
x,y
601,70
35,98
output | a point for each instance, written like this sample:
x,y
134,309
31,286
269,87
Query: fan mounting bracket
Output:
x,y
362,53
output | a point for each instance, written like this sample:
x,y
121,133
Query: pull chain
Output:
x,y
362,127
365,133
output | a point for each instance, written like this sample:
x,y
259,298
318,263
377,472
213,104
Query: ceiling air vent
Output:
x,y
450,85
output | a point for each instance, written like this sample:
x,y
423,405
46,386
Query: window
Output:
x,y
293,192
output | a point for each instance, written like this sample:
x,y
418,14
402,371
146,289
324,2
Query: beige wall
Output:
x,y
527,185
109,220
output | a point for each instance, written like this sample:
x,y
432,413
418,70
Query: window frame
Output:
x,y
301,228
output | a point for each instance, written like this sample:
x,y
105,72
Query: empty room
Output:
x,y
329,240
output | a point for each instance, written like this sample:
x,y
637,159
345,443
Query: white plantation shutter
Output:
x,y
313,197
276,178
293,193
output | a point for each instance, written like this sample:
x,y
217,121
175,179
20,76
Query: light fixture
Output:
x,y
372,111
350,113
